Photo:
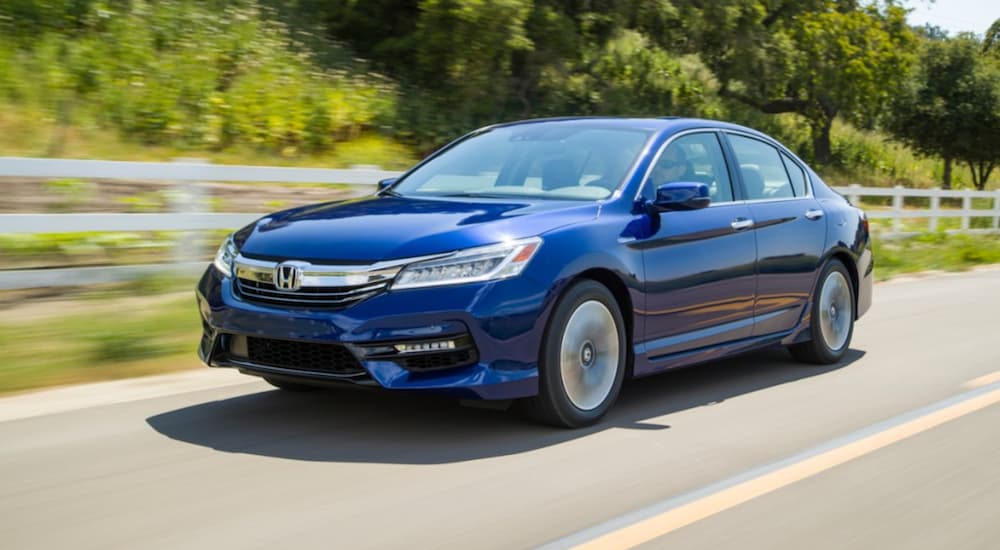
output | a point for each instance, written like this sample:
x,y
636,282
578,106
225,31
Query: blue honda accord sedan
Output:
x,y
545,261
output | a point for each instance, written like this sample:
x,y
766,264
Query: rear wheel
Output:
x,y
582,360
289,386
831,322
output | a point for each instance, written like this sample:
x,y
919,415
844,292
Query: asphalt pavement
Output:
x,y
226,462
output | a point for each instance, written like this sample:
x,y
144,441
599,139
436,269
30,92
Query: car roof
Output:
x,y
669,124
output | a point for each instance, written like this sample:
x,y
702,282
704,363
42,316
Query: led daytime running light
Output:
x,y
471,265
425,346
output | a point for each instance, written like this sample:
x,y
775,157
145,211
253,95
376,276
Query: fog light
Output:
x,y
426,346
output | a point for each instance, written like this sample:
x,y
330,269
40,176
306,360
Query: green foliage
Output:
x,y
296,79
629,75
950,107
870,158
467,46
192,74
816,59
934,251
468,63
991,40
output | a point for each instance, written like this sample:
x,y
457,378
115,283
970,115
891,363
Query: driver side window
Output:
x,y
692,158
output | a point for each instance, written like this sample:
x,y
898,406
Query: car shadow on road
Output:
x,y
384,427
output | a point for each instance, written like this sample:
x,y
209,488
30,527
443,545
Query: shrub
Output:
x,y
184,73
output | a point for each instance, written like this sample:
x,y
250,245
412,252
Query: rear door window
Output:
x,y
797,176
764,173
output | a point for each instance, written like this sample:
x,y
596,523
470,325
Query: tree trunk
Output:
x,y
946,177
981,173
822,150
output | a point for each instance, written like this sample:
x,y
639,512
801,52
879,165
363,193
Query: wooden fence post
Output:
x,y
966,206
187,197
897,206
996,211
853,195
935,210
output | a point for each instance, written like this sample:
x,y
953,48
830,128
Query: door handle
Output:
x,y
740,224
814,214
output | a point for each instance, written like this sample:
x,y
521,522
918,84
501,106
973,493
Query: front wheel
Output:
x,y
582,360
831,323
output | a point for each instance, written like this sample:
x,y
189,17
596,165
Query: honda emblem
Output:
x,y
288,276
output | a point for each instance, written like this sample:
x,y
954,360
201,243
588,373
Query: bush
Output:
x,y
184,73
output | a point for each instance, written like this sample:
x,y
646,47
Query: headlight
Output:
x,y
225,256
484,263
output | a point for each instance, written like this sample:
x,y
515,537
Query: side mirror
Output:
x,y
385,184
681,195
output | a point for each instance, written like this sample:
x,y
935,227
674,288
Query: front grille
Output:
x,y
304,356
327,297
434,361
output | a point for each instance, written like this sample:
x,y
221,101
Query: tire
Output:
x,y
290,386
831,322
582,360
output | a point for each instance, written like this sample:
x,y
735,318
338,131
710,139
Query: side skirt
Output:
x,y
645,366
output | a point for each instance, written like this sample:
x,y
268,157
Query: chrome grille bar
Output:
x,y
322,285
311,291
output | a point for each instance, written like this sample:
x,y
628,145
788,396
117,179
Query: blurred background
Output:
x,y
897,103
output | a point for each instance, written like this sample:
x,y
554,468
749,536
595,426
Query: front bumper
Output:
x,y
499,325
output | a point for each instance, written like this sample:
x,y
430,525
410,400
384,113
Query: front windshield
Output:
x,y
549,161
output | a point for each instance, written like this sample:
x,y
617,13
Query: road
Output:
x,y
244,466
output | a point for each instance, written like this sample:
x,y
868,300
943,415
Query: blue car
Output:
x,y
544,261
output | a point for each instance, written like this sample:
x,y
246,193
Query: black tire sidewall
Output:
x,y
552,392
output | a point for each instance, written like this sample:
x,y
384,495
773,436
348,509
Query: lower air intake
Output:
x,y
305,356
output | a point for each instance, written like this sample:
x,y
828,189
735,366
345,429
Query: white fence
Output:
x,y
898,213
187,174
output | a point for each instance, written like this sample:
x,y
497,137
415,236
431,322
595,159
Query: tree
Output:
x,y
629,75
950,107
991,41
818,59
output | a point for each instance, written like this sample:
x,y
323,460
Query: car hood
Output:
x,y
389,227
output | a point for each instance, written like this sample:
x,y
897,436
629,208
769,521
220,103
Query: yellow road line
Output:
x,y
983,380
670,520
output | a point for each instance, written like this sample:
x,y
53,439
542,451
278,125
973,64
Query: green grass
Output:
x,y
934,251
99,340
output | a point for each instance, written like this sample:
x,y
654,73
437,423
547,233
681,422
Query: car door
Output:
x,y
699,264
790,227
